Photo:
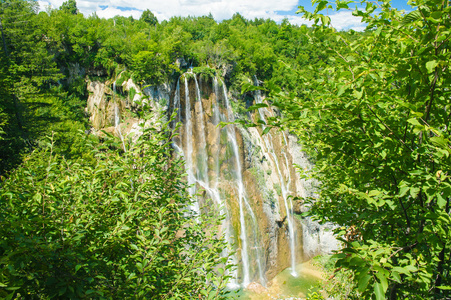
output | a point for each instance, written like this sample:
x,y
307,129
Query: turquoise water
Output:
x,y
284,285
298,286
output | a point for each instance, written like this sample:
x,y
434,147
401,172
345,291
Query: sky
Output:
x,y
220,9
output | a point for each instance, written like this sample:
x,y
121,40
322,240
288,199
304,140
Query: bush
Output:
x,y
337,282
116,227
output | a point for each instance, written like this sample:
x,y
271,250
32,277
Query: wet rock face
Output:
x,y
111,108
251,175
99,107
317,239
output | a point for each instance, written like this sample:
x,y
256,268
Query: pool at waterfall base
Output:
x,y
286,286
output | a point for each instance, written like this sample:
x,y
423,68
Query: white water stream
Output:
x,y
189,149
243,203
284,185
193,146
117,118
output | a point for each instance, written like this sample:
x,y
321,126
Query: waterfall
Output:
x,y
213,164
176,140
117,118
217,118
243,203
284,186
189,149
202,158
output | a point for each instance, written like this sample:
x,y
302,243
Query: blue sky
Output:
x,y
220,9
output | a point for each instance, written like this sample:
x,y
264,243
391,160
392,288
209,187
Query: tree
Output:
x,y
70,7
148,17
376,123
26,66
117,226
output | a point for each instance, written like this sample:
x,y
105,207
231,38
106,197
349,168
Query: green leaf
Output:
x,y
440,142
10,296
396,276
38,198
321,6
414,121
363,282
139,266
403,191
266,130
436,15
401,270
257,106
378,31
412,17
374,193
414,192
325,20
441,202
379,291
444,287
358,94
383,280
341,90
77,267
430,65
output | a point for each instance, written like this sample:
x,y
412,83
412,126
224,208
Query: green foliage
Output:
x,y
148,17
314,296
131,93
123,77
113,227
239,110
69,7
148,65
26,68
372,108
374,119
205,72
337,282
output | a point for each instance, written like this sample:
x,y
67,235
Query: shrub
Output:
x,y
117,227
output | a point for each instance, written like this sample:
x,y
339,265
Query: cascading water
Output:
x,y
283,184
217,118
176,140
196,152
117,118
202,157
243,203
189,149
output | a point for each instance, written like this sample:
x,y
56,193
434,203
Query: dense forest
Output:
x,y
82,219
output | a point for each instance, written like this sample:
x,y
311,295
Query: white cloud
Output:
x,y
43,5
220,9
299,20
345,20
110,12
